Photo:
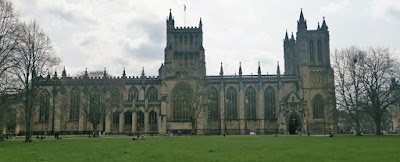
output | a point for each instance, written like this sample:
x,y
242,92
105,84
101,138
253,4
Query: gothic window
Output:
x,y
319,46
140,120
318,107
115,97
250,103
231,103
152,117
133,94
181,39
312,52
191,39
213,104
75,104
128,118
152,94
44,106
95,100
182,100
269,102
115,118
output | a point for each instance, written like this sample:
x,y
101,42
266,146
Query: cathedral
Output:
x,y
183,98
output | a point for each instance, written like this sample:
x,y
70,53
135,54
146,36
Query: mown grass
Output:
x,y
257,148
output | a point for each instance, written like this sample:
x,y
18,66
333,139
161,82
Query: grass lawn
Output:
x,y
254,148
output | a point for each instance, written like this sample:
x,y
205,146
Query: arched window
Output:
x,y
318,107
95,100
115,119
152,117
250,103
140,120
269,102
231,103
44,106
319,47
75,104
128,118
182,100
152,94
212,99
133,94
115,97
312,51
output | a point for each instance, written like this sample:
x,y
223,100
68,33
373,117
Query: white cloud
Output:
x,y
388,10
335,7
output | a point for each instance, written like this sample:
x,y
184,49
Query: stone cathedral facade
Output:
x,y
300,98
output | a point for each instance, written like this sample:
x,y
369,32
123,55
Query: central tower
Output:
x,y
184,52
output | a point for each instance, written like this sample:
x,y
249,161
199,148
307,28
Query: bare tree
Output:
x,y
349,90
193,100
96,102
377,73
9,36
34,56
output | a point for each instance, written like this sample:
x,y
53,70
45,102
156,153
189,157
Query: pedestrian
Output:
x,y
192,132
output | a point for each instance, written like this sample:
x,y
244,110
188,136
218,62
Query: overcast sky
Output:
x,y
131,33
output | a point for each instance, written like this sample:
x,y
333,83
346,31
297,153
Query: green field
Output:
x,y
239,148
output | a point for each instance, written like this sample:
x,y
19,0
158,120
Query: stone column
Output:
x,y
260,110
134,125
242,124
146,121
221,107
108,122
121,122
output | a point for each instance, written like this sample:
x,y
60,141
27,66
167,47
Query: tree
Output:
x,y
34,56
349,88
377,74
9,36
96,103
193,99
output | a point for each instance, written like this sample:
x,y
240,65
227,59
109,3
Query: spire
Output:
x,y
324,26
221,71
105,72
278,70
86,73
48,75
170,20
55,74
64,73
259,68
240,68
170,14
142,71
302,23
200,23
318,28
123,73
292,38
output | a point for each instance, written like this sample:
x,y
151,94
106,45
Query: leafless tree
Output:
x,y
349,90
9,36
96,102
34,56
378,73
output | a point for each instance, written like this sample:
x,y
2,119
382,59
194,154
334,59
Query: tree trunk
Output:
x,y
95,130
194,126
358,128
378,126
28,114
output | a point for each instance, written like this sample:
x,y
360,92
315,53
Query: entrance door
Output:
x,y
294,124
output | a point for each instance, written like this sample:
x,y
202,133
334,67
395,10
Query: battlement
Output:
x,y
187,28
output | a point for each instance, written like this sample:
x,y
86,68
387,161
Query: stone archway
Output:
x,y
294,123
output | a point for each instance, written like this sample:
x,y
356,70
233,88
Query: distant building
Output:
x,y
300,98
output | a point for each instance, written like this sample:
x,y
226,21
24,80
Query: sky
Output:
x,y
95,34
